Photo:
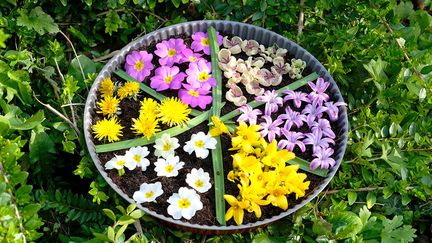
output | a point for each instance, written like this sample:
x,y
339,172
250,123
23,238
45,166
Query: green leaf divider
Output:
x,y
215,111
174,131
122,74
292,86
304,165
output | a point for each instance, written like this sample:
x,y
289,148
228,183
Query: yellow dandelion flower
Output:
x,y
107,87
108,106
146,126
172,111
128,89
149,107
107,129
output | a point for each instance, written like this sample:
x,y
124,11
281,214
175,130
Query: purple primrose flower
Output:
x,y
167,78
297,97
249,114
138,64
190,56
332,109
291,140
317,141
170,51
199,75
195,97
272,101
323,125
201,42
270,128
318,95
313,111
292,118
322,159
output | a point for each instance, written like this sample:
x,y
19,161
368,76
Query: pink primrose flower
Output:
x,y
201,42
167,78
138,64
195,96
170,51
199,75
190,56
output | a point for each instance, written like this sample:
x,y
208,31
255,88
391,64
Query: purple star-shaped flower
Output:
x,y
270,128
317,141
292,139
292,118
318,94
296,97
322,159
313,111
323,125
333,110
249,114
272,101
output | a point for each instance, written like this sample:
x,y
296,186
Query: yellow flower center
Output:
x,y
139,65
193,92
171,52
169,168
199,183
137,158
120,162
193,59
166,147
168,79
205,42
184,203
203,76
149,194
199,143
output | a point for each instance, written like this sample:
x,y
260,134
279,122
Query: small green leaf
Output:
x,y
30,123
137,214
109,213
121,231
130,208
426,69
352,197
125,219
110,233
370,199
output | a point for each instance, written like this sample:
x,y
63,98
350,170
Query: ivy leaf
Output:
x,y
37,20
345,224
41,147
392,232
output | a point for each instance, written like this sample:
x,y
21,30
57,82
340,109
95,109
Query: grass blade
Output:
x,y
304,165
144,141
122,74
215,111
292,86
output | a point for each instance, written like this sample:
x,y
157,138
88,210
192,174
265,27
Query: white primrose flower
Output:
x,y
200,143
184,204
165,146
148,192
138,156
198,180
168,167
119,162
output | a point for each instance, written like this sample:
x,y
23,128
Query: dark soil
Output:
x,y
131,180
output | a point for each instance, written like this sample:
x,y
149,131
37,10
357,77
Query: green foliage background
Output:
x,y
379,52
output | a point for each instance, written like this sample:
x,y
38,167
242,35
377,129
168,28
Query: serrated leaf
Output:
x,y
370,199
352,197
392,232
109,213
3,38
37,20
112,22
